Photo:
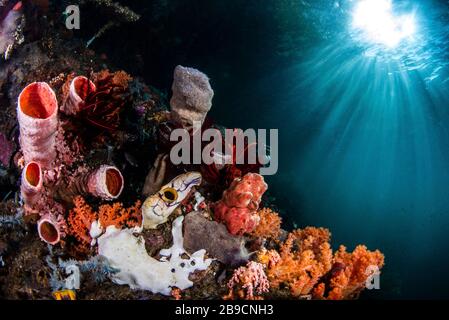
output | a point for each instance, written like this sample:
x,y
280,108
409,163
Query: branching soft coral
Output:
x,y
304,258
80,219
248,282
349,274
307,266
82,216
115,214
269,226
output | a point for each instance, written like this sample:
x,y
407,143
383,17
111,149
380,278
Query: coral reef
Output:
x,y
102,107
302,268
51,228
308,268
80,228
192,96
349,274
79,89
239,204
31,183
105,182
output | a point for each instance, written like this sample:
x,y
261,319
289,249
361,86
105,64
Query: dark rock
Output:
x,y
200,233
6,150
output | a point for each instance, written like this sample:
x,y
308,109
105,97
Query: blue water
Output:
x,y
364,148
364,131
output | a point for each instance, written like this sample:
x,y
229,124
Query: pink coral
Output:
x,y
238,207
250,281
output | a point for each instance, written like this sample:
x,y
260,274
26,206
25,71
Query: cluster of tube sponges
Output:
x,y
37,113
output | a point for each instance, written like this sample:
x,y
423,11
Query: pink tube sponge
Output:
x,y
31,186
51,228
238,207
106,182
37,113
80,87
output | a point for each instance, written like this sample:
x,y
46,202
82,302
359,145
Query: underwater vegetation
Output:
x,y
96,208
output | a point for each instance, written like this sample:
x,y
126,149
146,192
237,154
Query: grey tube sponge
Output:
x,y
192,95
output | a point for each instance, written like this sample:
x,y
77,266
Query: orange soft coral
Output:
x,y
80,220
306,265
82,216
115,214
269,226
268,257
350,273
304,258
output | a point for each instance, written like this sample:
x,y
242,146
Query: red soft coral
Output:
x,y
238,207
